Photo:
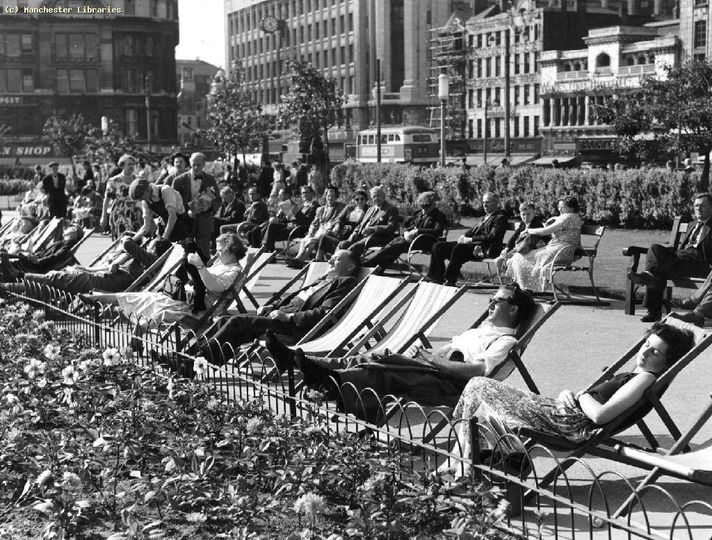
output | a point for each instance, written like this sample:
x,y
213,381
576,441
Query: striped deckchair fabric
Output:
x,y
426,304
364,310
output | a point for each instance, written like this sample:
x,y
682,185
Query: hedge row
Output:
x,y
636,198
15,187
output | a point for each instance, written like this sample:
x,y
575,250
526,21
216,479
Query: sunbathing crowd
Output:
x,y
185,264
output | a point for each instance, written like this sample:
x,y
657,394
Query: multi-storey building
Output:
x,y
193,78
71,56
695,29
574,82
344,39
496,39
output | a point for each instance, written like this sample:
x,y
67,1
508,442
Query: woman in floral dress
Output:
x,y
121,211
501,409
530,270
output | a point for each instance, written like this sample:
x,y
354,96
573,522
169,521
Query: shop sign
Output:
x,y
16,150
608,144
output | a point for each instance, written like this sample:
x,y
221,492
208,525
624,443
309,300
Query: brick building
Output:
x,y
70,56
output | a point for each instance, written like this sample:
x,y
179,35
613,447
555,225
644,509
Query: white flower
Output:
x,y
126,353
200,367
35,368
71,481
41,383
196,517
11,398
309,504
84,365
253,424
67,397
169,387
70,375
38,315
43,477
111,356
51,352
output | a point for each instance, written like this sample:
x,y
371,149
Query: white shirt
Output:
x,y
487,343
194,185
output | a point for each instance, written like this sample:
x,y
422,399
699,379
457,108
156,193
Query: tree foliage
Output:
x,y
237,123
674,112
313,104
69,136
108,146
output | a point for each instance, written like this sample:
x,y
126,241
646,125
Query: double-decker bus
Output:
x,y
405,144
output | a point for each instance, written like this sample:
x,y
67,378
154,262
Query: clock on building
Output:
x,y
270,24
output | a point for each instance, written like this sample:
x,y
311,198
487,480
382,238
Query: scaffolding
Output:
x,y
448,54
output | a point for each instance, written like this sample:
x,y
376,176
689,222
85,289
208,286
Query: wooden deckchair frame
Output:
x,y
659,465
154,269
301,275
257,265
5,228
602,442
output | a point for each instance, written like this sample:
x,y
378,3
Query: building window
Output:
x,y
516,64
12,45
603,60
526,63
14,81
28,80
700,39
516,126
536,126
129,7
27,43
76,80
63,81
479,68
488,66
470,128
479,97
497,127
536,94
516,95
526,126
131,122
479,128
526,94
479,43
700,57
497,66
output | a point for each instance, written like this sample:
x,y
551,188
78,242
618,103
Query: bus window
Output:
x,y
421,137
396,137
384,139
371,139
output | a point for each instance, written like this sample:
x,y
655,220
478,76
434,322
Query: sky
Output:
x,y
202,31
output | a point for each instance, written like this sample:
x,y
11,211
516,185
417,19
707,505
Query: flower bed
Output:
x,y
95,446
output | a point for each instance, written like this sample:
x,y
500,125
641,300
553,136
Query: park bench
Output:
x,y
678,232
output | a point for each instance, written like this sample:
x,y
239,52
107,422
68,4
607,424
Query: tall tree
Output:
x,y
237,123
675,112
69,136
107,146
313,104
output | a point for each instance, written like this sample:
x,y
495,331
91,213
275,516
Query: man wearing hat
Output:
x,y
199,192
53,186
429,220
162,201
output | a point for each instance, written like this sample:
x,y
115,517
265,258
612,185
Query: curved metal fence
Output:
x,y
578,504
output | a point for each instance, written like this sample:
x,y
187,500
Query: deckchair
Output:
x,y
7,227
694,465
72,256
602,444
41,235
305,277
425,305
365,309
246,297
107,256
524,334
155,274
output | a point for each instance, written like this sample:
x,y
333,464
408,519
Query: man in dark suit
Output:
x,y
483,240
379,224
232,209
294,315
278,229
54,185
264,182
692,259
200,194
168,176
429,220
255,215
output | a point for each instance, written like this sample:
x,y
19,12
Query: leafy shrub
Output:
x,y
15,187
96,445
635,198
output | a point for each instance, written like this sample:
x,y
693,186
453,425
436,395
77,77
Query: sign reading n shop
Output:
x,y
26,150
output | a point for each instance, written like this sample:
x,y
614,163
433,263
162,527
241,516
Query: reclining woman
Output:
x,y
529,269
572,416
208,280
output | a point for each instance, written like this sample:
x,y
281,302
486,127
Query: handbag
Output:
x,y
173,288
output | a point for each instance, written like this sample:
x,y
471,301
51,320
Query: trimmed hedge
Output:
x,y
635,198
15,187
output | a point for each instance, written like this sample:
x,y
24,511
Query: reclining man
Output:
x,y
294,316
15,266
692,259
429,220
483,240
127,265
431,377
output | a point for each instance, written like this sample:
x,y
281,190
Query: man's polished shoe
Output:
x,y
642,278
690,317
650,316
688,303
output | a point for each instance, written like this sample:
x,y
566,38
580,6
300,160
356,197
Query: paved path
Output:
x,y
568,352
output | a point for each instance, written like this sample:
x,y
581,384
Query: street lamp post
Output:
x,y
484,146
443,96
147,87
